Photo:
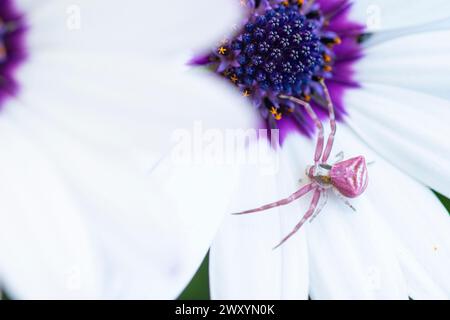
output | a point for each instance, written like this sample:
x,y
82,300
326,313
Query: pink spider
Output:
x,y
347,178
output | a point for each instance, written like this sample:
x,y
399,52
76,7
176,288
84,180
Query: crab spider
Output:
x,y
347,178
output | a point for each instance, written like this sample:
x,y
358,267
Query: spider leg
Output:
x,y
341,197
305,218
339,157
330,141
322,203
301,192
349,205
317,122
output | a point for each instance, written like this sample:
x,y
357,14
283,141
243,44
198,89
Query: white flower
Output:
x,y
92,206
397,245
80,215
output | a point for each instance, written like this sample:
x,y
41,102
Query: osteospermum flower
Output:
x,y
385,65
78,93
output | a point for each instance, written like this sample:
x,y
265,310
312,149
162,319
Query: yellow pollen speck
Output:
x,y
307,98
327,58
300,2
285,3
246,93
337,40
222,50
327,68
234,78
277,115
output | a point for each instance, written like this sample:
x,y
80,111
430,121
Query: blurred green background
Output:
x,y
198,289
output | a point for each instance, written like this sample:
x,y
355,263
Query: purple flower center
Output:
x,y
291,49
280,51
12,49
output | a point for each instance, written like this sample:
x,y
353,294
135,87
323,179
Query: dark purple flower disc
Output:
x,y
12,48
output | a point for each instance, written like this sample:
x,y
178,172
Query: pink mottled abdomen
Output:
x,y
350,177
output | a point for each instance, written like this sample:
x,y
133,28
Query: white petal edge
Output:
x,y
419,224
406,127
417,62
385,15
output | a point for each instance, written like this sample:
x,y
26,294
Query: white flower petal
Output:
x,y
406,127
243,264
351,257
418,222
418,62
114,201
161,29
386,15
132,105
108,127
423,226
114,151
43,253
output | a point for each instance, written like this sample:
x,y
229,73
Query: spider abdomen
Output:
x,y
350,177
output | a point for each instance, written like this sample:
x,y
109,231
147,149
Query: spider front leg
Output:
x,y
318,123
308,214
339,157
332,116
323,202
301,192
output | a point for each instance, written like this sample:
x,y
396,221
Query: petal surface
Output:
x,y
162,29
243,264
44,253
385,15
406,127
417,62
112,141
422,228
416,220
104,125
